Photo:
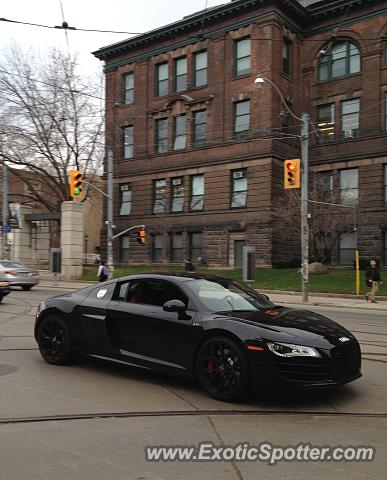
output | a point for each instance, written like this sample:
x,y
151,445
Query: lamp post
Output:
x,y
259,81
86,238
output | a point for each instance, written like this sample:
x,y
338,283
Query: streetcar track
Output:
x,y
185,413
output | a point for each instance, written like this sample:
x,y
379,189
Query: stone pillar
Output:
x,y
21,248
71,240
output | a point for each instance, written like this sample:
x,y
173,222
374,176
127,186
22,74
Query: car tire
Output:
x,y
1,298
54,341
26,287
222,369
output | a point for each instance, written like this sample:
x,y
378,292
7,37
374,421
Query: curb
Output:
x,y
319,294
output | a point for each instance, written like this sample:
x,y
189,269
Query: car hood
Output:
x,y
294,326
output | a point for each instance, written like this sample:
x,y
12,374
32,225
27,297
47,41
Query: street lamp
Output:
x,y
259,81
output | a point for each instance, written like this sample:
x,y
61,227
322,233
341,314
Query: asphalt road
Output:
x,y
93,420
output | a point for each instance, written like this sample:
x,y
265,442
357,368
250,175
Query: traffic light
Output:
x,y
141,237
292,173
76,184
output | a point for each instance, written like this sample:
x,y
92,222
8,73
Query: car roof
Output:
x,y
181,276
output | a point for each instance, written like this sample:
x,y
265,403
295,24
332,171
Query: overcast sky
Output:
x,y
122,15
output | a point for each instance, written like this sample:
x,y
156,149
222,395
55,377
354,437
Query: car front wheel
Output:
x,y
222,369
54,340
26,287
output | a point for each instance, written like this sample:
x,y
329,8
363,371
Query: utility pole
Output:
x,y
304,206
109,222
4,245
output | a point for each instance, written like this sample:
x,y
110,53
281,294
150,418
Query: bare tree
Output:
x,y
51,121
326,220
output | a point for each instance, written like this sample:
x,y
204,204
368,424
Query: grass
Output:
x,y
335,281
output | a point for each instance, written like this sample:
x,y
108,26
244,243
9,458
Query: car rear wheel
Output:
x,y
222,369
26,287
54,341
1,298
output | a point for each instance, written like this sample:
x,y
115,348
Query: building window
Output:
x,y
162,79
128,142
385,185
179,132
385,111
200,69
350,118
241,118
385,248
177,188
157,248
159,188
199,127
287,54
242,57
162,135
195,246
238,188
180,70
197,192
177,248
349,186
326,122
341,59
128,88
324,182
124,249
347,247
125,199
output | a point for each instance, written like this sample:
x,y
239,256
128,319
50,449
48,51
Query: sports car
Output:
x,y
219,331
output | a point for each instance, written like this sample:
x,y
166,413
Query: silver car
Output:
x,y
17,274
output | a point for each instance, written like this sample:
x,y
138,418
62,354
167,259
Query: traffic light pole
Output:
x,y
110,262
4,244
304,206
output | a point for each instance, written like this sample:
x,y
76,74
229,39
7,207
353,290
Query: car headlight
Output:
x,y
289,350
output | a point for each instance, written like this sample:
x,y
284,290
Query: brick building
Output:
x,y
199,150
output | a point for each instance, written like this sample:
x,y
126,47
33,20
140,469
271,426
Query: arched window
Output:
x,y
340,59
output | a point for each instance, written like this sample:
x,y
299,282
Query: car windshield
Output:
x,y
12,264
227,295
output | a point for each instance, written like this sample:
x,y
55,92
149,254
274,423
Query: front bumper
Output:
x,y
337,366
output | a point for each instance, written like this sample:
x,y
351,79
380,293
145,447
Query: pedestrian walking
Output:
x,y
103,272
189,266
373,280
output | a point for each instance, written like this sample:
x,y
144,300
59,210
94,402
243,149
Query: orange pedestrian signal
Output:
x,y
292,173
76,184
141,237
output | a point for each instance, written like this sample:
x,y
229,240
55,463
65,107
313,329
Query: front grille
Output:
x,y
340,363
345,360
303,369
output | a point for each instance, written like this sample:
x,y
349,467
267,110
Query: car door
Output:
x,y
145,333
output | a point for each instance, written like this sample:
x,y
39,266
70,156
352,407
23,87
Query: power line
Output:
x,y
66,26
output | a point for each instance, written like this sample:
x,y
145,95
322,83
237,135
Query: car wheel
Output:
x,y
54,341
26,287
222,369
1,298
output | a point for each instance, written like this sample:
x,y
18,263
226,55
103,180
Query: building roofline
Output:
x,y
194,22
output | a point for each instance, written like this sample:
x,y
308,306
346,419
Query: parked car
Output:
x,y
219,331
18,274
4,289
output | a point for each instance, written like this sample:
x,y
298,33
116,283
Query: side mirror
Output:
x,y
265,297
176,306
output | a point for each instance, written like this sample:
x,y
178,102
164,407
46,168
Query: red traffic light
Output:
x,y
290,166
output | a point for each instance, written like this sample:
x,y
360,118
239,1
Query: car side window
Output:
x,y
122,291
154,292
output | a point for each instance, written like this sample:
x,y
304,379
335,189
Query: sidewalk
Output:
x,y
289,298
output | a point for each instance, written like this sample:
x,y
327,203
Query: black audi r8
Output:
x,y
217,330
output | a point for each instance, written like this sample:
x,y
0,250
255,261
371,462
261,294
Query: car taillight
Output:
x,y
10,272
